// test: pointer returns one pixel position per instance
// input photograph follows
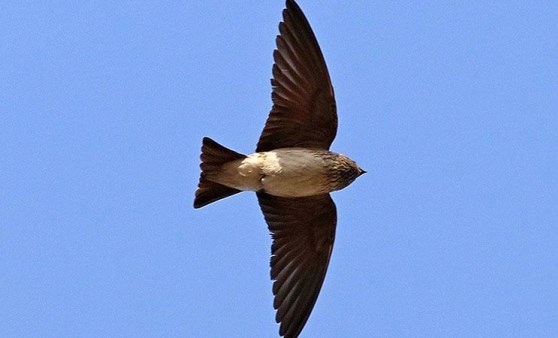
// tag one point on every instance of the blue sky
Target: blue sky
(452, 108)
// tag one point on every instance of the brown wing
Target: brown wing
(304, 112)
(303, 231)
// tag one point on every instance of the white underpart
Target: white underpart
(291, 172)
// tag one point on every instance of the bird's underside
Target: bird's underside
(292, 171)
(285, 172)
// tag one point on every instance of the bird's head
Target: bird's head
(345, 171)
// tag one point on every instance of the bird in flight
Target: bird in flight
(292, 171)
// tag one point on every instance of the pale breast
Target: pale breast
(294, 172)
(287, 172)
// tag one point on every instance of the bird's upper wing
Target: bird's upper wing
(304, 112)
(303, 231)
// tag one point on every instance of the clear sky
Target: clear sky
(452, 108)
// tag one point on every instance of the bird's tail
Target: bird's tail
(213, 156)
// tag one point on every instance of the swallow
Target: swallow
(292, 171)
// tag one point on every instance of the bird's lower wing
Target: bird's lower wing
(303, 232)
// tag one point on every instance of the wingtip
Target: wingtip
(291, 5)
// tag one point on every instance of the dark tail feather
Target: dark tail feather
(213, 157)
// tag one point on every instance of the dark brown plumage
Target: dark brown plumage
(303, 231)
(304, 112)
(292, 171)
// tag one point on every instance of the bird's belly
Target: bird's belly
(294, 173)
(288, 172)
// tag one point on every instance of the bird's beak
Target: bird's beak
(362, 171)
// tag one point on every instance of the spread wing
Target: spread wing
(304, 112)
(303, 231)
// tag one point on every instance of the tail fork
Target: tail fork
(213, 157)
